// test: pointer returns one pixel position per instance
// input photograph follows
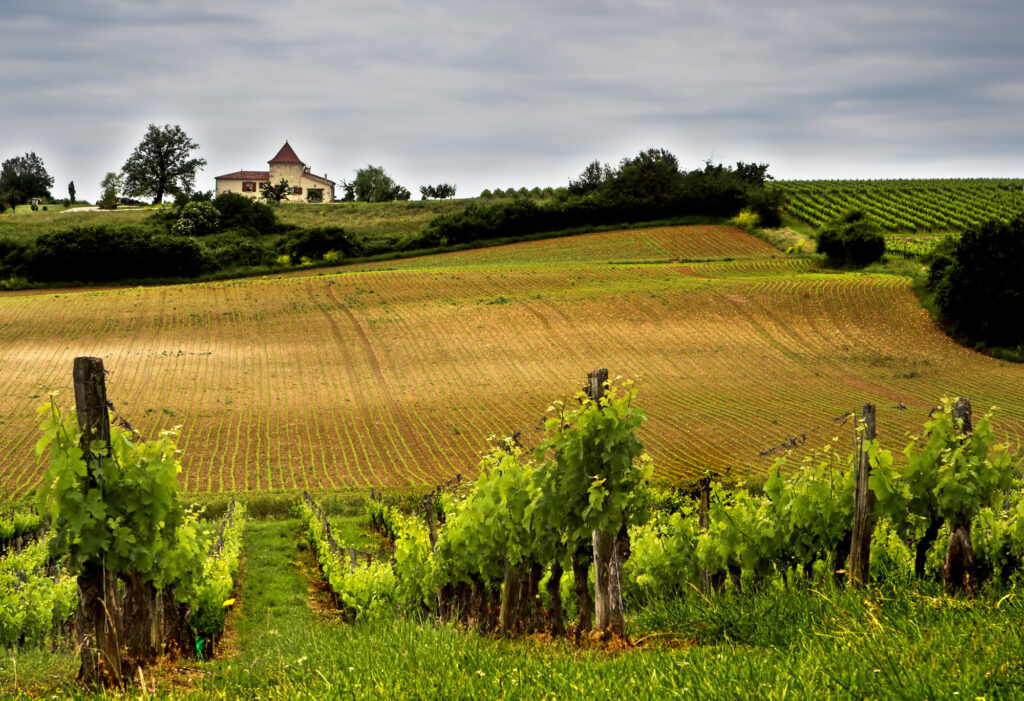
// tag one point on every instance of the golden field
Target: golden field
(397, 373)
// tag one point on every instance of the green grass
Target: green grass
(25, 225)
(352, 532)
(370, 221)
(808, 644)
(381, 221)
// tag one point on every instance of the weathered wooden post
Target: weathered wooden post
(429, 513)
(863, 505)
(704, 522)
(597, 381)
(608, 614)
(98, 614)
(958, 571)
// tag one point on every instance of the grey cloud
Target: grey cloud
(493, 94)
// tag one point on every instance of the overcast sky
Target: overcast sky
(499, 94)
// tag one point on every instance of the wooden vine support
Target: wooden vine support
(609, 617)
(704, 522)
(863, 505)
(958, 568)
(98, 615)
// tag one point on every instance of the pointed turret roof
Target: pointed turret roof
(286, 155)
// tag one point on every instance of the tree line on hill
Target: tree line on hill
(647, 187)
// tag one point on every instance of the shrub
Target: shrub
(852, 239)
(245, 214)
(938, 259)
(767, 202)
(230, 250)
(12, 256)
(516, 217)
(746, 220)
(980, 290)
(101, 254)
(197, 219)
(314, 243)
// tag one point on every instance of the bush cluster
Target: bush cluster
(316, 243)
(197, 219)
(978, 285)
(852, 239)
(101, 254)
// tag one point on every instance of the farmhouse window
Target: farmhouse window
(248, 186)
(296, 190)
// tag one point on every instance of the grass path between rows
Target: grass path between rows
(285, 642)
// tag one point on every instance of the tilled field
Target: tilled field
(397, 377)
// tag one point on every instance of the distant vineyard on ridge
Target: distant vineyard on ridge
(907, 205)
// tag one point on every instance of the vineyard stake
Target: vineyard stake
(597, 381)
(863, 506)
(704, 521)
(608, 614)
(958, 571)
(98, 615)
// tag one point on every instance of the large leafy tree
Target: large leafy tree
(162, 164)
(592, 178)
(111, 184)
(373, 184)
(22, 178)
(653, 174)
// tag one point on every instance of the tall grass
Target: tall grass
(797, 644)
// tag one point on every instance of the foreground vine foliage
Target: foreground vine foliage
(504, 553)
(482, 555)
(799, 528)
(115, 515)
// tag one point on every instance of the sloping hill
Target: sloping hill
(370, 377)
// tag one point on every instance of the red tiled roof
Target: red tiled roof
(286, 155)
(320, 179)
(245, 175)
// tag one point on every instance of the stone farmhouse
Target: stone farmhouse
(306, 187)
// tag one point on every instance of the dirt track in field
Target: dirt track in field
(394, 377)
